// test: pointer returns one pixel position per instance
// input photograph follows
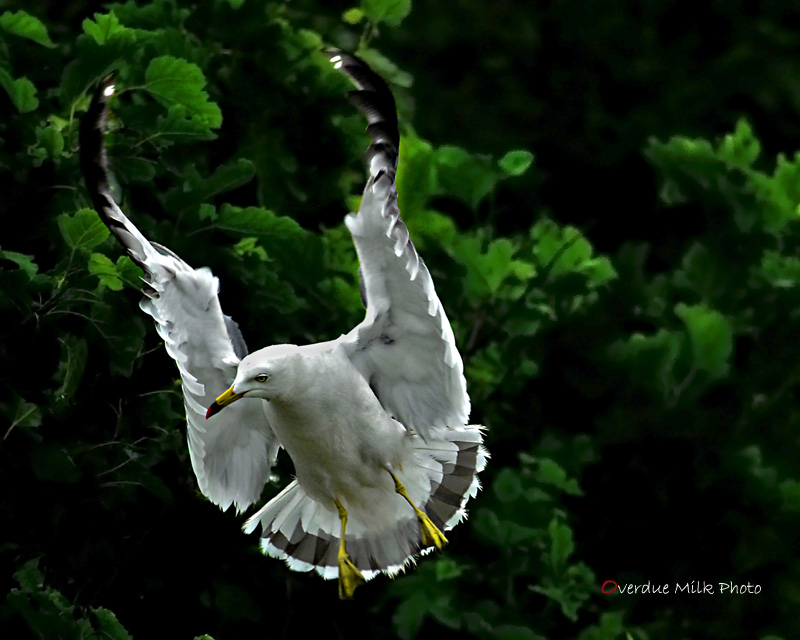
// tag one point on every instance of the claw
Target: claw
(430, 533)
(349, 578)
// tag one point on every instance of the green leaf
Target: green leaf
(513, 632)
(26, 415)
(503, 533)
(610, 628)
(447, 569)
(780, 192)
(515, 163)
(108, 626)
(385, 68)
(129, 272)
(550, 472)
(740, 149)
(416, 176)
(105, 28)
(21, 91)
(468, 177)
(74, 355)
(711, 336)
(353, 16)
(488, 271)
(564, 250)
(780, 271)
(507, 486)
(24, 262)
(29, 577)
(409, 616)
(250, 247)
(25, 25)
(49, 143)
(83, 230)
(790, 494)
(561, 544)
(226, 178)
(106, 270)
(652, 358)
(391, 12)
(52, 463)
(258, 221)
(176, 82)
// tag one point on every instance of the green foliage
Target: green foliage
(391, 12)
(27, 26)
(50, 615)
(639, 385)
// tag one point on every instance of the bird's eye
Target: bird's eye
(262, 377)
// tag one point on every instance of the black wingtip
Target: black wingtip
(374, 99)
(94, 163)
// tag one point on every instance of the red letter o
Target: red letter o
(603, 588)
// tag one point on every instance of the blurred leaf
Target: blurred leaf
(740, 149)
(384, 67)
(780, 271)
(609, 628)
(447, 569)
(258, 221)
(50, 462)
(561, 250)
(549, 472)
(409, 616)
(711, 336)
(109, 626)
(507, 485)
(21, 91)
(511, 632)
(353, 16)
(515, 163)
(25, 25)
(561, 544)
(390, 11)
(105, 27)
(24, 262)
(74, 354)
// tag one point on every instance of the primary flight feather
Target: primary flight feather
(375, 421)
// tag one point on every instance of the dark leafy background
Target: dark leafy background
(626, 304)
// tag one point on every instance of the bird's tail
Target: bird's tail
(383, 534)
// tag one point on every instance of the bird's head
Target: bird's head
(264, 374)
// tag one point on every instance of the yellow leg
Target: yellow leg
(431, 535)
(349, 576)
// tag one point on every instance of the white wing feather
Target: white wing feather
(232, 452)
(405, 346)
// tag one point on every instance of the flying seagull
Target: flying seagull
(374, 421)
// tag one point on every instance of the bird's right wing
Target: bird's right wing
(232, 453)
(404, 347)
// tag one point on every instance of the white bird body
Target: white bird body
(375, 421)
(338, 435)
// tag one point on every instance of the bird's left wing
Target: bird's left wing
(404, 347)
(232, 452)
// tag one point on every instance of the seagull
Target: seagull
(375, 421)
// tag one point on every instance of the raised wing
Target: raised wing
(231, 453)
(405, 346)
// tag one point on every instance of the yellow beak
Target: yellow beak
(223, 401)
